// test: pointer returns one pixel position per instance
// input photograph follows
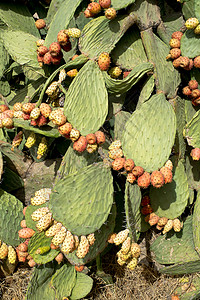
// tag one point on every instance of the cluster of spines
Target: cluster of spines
(162, 223)
(136, 173)
(129, 252)
(175, 54)
(61, 237)
(192, 92)
(94, 8)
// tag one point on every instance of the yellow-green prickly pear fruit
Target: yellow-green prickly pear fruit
(42, 148)
(30, 140)
(12, 256)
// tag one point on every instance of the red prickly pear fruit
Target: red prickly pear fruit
(144, 180)
(118, 163)
(175, 43)
(57, 59)
(65, 129)
(81, 144)
(54, 49)
(100, 137)
(67, 47)
(47, 58)
(79, 268)
(197, 62)
(130, 178)
(104, 61)
(91, 138)
(42, 121)
(137, 171)
(174, 53)
(3, 107)
(88, 14)
(126, 73)
(195, 93)
(34, 122)
(129, 165)
(184, 61)
(193, 84)
(22, 247)
(40, 23)
(110, 13)
(177, 35)
(176, 62)
(94, 8)
(167, 173)
(42, 50)
(62, 38)
(186, 91)
(146, 210)
(195, 153)
(105, 3)
(145, 200)
(23, 223)
(31, 263)
(157, 179)
(24, 210)
(190, 66)
(25, 233)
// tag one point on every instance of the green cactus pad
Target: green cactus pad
(179, 108)
(171, 199)
(4, 59)
(190, 44)
(11, 216)
(190, 111)
(129, 51)
(195, 224)
(117, 86)
(167, 77)
(192, 131)
(193, 173)
(182, 268)
(4, 87)
(30, 209)
(146, 91)
(120, 120)
(63, 281)
(73, 161)
(143, 139)
(82, 201)
(39, 284)
(166, 250)
(101, 35)
(101, 237)
(61, 20)
(82, 286)
(10, 180)
(133, 198)
(118, 4)
(38, 240)
(188, 9)
(87, 99)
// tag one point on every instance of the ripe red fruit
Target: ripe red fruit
(22, 247)
(105, 3)
(167, 173)
(62, 38)
(137, 171)
(47, 58)
(87, 13)
(193, 84)
(41, 121)
(81, 144)
(104, 61)
(174, 53)
(145, 200)
(42, 50)
(184, 61)
(197, 62)
(126, 73)
(40, 23)
(190, 66)
(129, 165)
(67, 47)
(25, 233)
(144, 180)
(91, 138)
(130, 177)
(57, 59)
(195, 153)
(100, 137)
(118, 163)
(157, 179)
(177, 35)
(54, 49)
(146, 210)
(187, 91)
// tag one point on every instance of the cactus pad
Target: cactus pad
(196, 229)
(82, 286)
(143, 138)
(190, 44)
(192, 130)
(83, 200)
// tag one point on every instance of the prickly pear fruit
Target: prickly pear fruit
(45, 110)
(195, 153)
(167, 173)
(44, 222)
(114, 153)
(174, 53)
(23, 223)
(168, 226)
(104, 61)
(59, 236)
(27, 107)
(115, 72)
(120, 261)
(94, 8)
(91, 148)
(121, 237)
(17, 140)
(91, 238)
(8, 123)
(177, 225)
(137, 171)
(146, 210)
(42, 250)
(145, 200)
(105, 3)
(111, 238)
(59, 119)
(54, 49)
(100, 137)
(157, 179)
(79, 268)
(40, 23)
(68, 243)
(195, 93)
(124, 256)
(3, 251)
(17, 106)
(129, 164)
(115, 145)
(52, 89)
(30, 140)
(144, 180)
(153, 219)
(162, 221)
(187, 91)
(62, 38)
(45, 192)
(73, 32)
(3, 107)
(175, 43)
(131, 178)
(197, 29)
(26, 233)
(72, 73)
(91, 138)
(31, 263)
(65, 129)
(191, 23)
(132, 263)
(118, 163)
(81, 144)
(169, 164)
(39, 213)
(126, 245)
(83, 247)
(12, 256)
(177, 35)
(74, 134)
(110, 13)
(193, 84)
(135, 250)
(62, 75)
(22, 247)
(42, 148)
(35, 113)
(197, 62)
(38, 200)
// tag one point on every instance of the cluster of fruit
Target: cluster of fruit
(192, 92)
(175, 54)
(61, 237)
(195, 153)
(53, 54)
(104, 64)
(137, 173)
(193, 23)
(162, 223)
(129, 252)
(95, 8)
(7, 252)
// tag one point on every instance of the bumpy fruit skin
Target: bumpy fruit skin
(131, 178)
(135, 250)
(73, 32)
(162, 221)
(44, 222)
(62, 38)
(59, 258)
(59, 236)
(126, 245)
(94, 8)
(114, 153)
(17, 106)
(111, 238)
(40, 23)
(177, 35)
(30, 140)
(132, 264)
(122, 256)
(121, 237)
(169, 164)
(175, 43)
(42, 50)
(47, 58)
(83, 247)
(87, 13)
(129, 165)
(74, 134)
(91, 148)
(81, 144)
(174, 53)
(59, 119)
(23, 223)
(65, 129)
(153, 219)
(51, 231)
(197, 29)
(91, 138)
(167, 174)
(115, 72)
(191, 23)
(26, 233)
(8, 123)
(22, 247)
(146, 210)
(195, 93)
(187, 91)
(184, 61)
(42, 148)
(157, 179)
(105, 3)
(190, 65)
(193, 84)
(115, 145)
(195, 153)
(27, 107)
(12, 256)
(118, 163)
(68, 243)
(144, 180)
(40, 42)
(54, 49)
(72, 73)
(35, 113)
(57, 59)
(177, 226)
(197, 62)
(168, 226)
(3, 251)
(137, 171)
(39, 213)
(110, 13)
(3, 107)
(176, 62)
(104, 61)
(38, 200)
(91, 238)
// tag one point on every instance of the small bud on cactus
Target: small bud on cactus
(195, 153)
(110, 13)
(81, 144)
(40, 24)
